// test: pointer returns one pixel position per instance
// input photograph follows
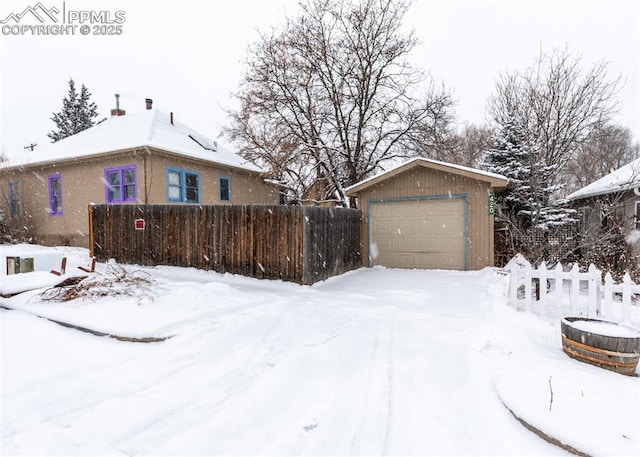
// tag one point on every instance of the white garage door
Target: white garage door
(418, 233)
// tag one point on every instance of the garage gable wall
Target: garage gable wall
(423, 183)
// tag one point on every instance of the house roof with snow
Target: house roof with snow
(494, 179)
(623, 179)
(150, 128)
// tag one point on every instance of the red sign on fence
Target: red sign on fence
(139, 224)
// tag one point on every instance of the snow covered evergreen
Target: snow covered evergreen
(78, 113)
(527, 207)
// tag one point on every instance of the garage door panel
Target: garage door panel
(385, 225)
(440, 261)
(385, 243)
(405, 244)
(419, 233)
(404, 258)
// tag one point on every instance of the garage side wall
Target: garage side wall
(421, 182)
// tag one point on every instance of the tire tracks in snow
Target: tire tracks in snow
(63, 416)
(265, 355)
(377, 419)
(280, 343)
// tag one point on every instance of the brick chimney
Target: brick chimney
(149, 102)
(117, 111)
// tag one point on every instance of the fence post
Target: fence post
(512, 268)
(626, 298)
(595, 279)
(517, 267)
(559, 286)
(528, 292)
(542, 287)
(575, 290)
(513, 288)
(608, 296)
(91, 238)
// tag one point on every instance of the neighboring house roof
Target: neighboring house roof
(149, 128)
(623, 179)
(494, 179)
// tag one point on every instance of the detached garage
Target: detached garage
(428, 214)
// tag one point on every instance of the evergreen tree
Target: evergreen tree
(510, 158)
(87, 112)
(525, 208)
(78, 113)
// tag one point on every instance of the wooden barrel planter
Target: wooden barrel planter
(602, 343)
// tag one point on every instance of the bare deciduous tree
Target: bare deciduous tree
(559, 103)
(557, 107)
(330, 99)
(464, 147)
(607, 149)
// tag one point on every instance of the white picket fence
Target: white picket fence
(557, 292)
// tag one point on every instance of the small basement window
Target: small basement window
(17, 265)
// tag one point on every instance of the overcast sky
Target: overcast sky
(187, 55)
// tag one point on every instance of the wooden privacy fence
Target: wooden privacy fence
(295, 243)
(561, 292)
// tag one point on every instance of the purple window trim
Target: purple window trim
(121, 185)
(14, 198)
(55, 199)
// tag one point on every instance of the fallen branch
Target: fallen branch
(544, 436)
(114, 281)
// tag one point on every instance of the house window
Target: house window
(55, 195)
(14, 198)
(174, 187)
(224, 184)
(120, 184)
(191, 187)
(183, 186)
(637, 218)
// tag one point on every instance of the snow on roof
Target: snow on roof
(624, 178)
(150, 128)
(493, 177)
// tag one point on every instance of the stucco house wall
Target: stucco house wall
(246, 188)
(25, 186)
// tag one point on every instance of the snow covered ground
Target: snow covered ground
(373, 362)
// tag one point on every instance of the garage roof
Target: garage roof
(495, 180)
